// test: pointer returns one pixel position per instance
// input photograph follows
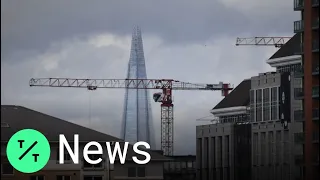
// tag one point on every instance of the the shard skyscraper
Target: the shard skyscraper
(137, 122)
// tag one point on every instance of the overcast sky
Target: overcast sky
(186, 40)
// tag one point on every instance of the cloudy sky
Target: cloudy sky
(186, 40)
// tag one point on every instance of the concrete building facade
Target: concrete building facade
(219, 149)
(273, 148)
(261, 121)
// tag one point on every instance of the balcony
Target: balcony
(298, 5)
(315, 69)
(298, 116)
(298, 93)
(299, 73)
(315, 114)
(299, 138)
(315, 3)
(298, 26)
(315, 24)
(315, 46)
(315, 91)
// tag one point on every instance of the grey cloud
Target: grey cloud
(34, 24)
(76, 58)
(49, 39)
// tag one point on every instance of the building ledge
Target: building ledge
(283, 61)
(229, 111)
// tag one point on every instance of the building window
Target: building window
(92, 178)
(136, 172)
(259, 114)
(271, 147)
(6, 169)
(263, 148)
(252, 105)
(36, 177)
(66, 156)
(226, 150)
(286, 149)
(219, 151)
(251, 96)
(278, 146)
(259, 105)
(132, 172)
(62, 177)
(93, 157)
(141, 171)
(266, 104)
(255, 149)
(289, 68)
(212, 152)
(259, 96)
(274, 103)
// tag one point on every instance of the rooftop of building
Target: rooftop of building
(183, 157)
(15, 118)
(239, 96)
(289, 48)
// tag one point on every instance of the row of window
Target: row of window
(58, 177)
(7, 169)
(263, 95)
(66, 177)
(271, 172)
(264, 104)
(290, 68)
(136, 172)
(179, 165)
(67, 158)
(218, 152)
(275, 149)
(234, 118)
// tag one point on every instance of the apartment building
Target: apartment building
(273, 127)
(15, 118)
(308, 28)
(222, 145)
(262, 119)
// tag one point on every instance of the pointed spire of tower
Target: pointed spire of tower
(137, 116)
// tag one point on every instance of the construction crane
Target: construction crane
(278, 42)
(165, 97)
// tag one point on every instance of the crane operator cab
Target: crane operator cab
(157, 97)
